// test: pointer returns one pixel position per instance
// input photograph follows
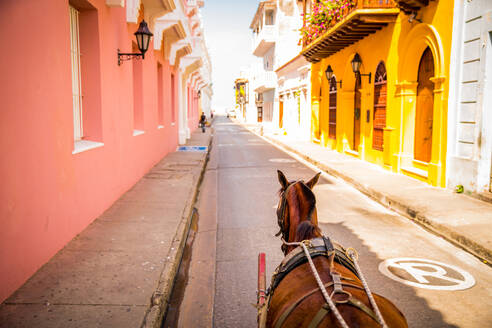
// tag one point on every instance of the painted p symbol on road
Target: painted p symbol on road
(426, 274)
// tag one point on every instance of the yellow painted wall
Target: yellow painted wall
(400, 45)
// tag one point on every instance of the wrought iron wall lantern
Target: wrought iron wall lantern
(143, 39)
(356, 62)
(329, 75)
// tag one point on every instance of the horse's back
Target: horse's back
(297, 301)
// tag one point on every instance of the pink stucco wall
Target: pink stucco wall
(47, 194)
(193, 115)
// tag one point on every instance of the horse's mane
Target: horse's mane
(306, 230)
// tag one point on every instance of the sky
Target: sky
(228, 37)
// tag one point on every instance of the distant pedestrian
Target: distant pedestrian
(203, 120)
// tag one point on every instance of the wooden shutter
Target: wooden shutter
(379, 119)
(332, 120)
(357, 111)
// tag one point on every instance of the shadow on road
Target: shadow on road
(416, 309)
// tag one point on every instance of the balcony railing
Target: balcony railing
(352, 20)
(263, 40)
(265, 81)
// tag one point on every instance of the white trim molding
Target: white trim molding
(115, 3)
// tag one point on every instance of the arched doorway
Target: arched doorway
(332, 119)
(357, 105)
(379, 119)
(424, 108)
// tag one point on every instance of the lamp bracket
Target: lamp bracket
(127, 56)
(369, 75)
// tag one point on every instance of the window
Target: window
(173, 99)
(269, 18)
(76, 85)
(332, 115)
(379, 120)
(138, 119)
(160, 98)
(85, 75)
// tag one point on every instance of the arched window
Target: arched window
(379, 119)
(332, 119)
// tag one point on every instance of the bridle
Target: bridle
(282, 211)
(281, 215)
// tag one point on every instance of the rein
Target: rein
(352, 254)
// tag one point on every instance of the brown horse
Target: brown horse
(295, 298)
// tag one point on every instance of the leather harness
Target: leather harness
(321, 246)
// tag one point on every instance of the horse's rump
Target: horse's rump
(297, 300)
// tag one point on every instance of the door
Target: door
(357, 102)
(260, 114)
(281, 115)
(425, 108)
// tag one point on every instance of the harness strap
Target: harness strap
(325, 309)
(337, 288)
(286, 313)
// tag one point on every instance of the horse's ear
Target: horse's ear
(282, 179)
(313, 181)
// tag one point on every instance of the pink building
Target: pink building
(77, 130)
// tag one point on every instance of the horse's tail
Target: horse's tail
(307, 230)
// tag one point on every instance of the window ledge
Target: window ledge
(416, 171)
(160, 127)
(417, 162)
(352, 152)
(138, 132)
(84, 145)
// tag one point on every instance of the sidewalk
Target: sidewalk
(119, 271)
(460, 219)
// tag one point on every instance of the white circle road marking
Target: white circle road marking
(282, 160)
(439, 272)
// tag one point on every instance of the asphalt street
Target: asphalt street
(434, 283)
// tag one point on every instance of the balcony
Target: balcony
(265, 81)
(354, 23)
(264, 40)
(409, 6)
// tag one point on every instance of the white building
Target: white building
(265, 35)
(282, 84)
(469, 159)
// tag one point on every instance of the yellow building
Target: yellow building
(393, 111)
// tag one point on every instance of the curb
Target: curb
(455, 238)
(159, 301)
